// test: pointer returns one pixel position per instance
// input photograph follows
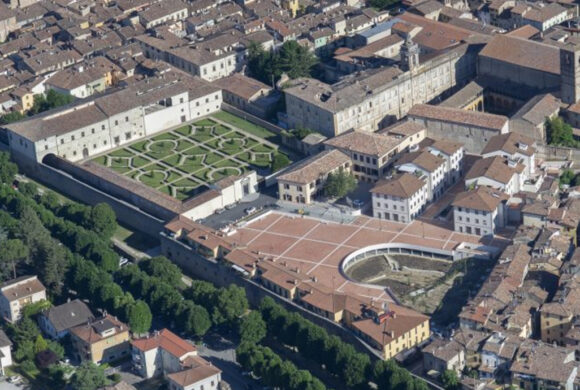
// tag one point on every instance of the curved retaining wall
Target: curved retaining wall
(392, 248)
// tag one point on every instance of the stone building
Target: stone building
(377, 97)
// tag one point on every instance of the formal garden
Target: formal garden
(182, 161)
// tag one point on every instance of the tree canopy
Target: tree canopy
(559, 133)
(339, 184)
(267, 66)
(88, 376)
(252, 328)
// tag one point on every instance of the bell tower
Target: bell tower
(570, 73)
(409, 54)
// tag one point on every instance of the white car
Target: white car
(250, 210)
(358, 203)
(123, 261)
(15, 379)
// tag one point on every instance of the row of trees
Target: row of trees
(194, 311)
(292, 59)
(337, 357)
(314, 343)
(42, 103)
(274, 371)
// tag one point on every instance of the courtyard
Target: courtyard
(184, 161)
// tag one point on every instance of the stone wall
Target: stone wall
(221, 275)
(128, 214)
(557, 153)
(251, 118)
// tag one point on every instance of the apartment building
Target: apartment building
(163, 12)
(103, 340)
(214, 58)
(497, 172)
(428, 165)
(304, 182)
(58, 320)
(515, 147)
(544, 366)
(480, 211)
(400, 198)
(15, 294)
(452, 152)
(86, 128)
(371, 153)
(84, 79)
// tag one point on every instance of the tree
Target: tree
(560, 133)
(252, 328)
(339, 184)
(11, 117)
(279, 161)
(568, 177)
(201, 292)
(102, 220)
(292, 58)
(8, 169)
(194, 319)
(51, 100)
(40, 344)
(449, 379)
(88, 376)
(230, 303)
(161, 267)
(139, 317)
(296, 60)
(12, 252)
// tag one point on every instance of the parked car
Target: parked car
(231, 206)
(123, 261)
(15, 379)
(250, 210)
(358, 203)
(220, 211)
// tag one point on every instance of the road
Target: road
(258, 200)
(221, 353)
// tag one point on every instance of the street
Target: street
(221, 353)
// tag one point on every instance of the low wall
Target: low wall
(252, 118)
(558, 153)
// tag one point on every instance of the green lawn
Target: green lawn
(164, 136)
(212, 158)
(101, 160)
(185, 130)
(244, 125)
(186, 183)
(153, 178)
(205, 122)
(173, 160)
(139, 161)
(139, 146)
(121, 153)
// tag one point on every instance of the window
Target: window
(92, 131)
(62, 141)
(72, 137)
(82, 134)
(126, 119)
(116, 123)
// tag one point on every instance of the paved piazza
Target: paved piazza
(316, 247)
